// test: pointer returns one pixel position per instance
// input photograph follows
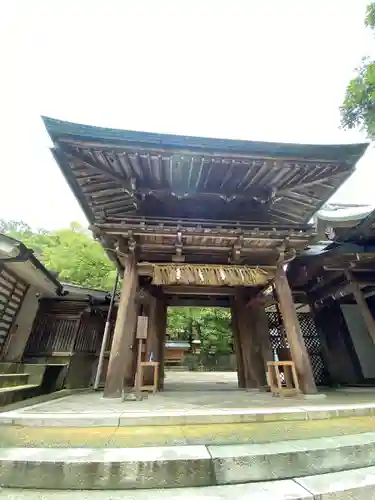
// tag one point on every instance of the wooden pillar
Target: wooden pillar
(161, 330)
(253, 363)
(121, 361)
(362, 304)
(263, 333)
(296, 342)
(237, 348)
(257, 352)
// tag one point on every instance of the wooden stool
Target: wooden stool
(139, 376)
(291, 387)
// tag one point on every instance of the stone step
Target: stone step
(13, 379)
(13, 394)
(11, 367)
(184, 466)
(203, 416)
(357, 484)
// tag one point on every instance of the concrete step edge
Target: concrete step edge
(189, 417)
(17, 388)
(346, 485)
(182, 466)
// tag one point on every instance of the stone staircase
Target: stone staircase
(93, 459)
(19, 381)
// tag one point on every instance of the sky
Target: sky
(263, 70)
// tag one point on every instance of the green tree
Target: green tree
(358, 109)
(210, 325)
(72, 253)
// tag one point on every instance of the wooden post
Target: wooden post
(253, 364)
(362, 304)
(297, 346)
(263, 334)
(120, 365)
(256, 338)
(238, 349)
(161, 329)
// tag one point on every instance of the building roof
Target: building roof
(116, 173)
(178, 344)
(22, 261)
(344, 213)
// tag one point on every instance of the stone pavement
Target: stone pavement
(175, 435)
(186, 391)
(191, 398)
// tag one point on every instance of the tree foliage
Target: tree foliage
(210, 325)
(358, 109)
(77, 258)
(72, 253)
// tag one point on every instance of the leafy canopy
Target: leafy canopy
(358, 109)
(210, 325)
(72, 253)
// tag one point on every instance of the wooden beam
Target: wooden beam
(199, 290)
(255, 192)
(120, 365)
(87, 162)
(175, 301)
(314, 182)
(362, 304)
(192, 232)
(197, 223)
(296, 342)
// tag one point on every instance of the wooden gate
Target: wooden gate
(12, 292)
(310, 335)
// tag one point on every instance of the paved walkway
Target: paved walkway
(198, 391)
(177, 435)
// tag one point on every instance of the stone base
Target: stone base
(134, 396)
(312, 397)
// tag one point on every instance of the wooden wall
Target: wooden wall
(67, 332)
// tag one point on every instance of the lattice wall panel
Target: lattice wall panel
(276, 329)
(310, 335)
(12, 292)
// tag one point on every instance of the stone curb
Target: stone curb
(185, 466)
(289, 459)
(189, 417)
(358, 484)
(43, 398)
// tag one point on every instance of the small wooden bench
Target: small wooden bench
(139, 376)
(290, 387)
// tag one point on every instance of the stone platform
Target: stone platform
(191, 407)
(225, 442)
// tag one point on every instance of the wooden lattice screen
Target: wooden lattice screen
(311, 337)
(90, 333)
(66, 327)
(52, 333)
(12, 292)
